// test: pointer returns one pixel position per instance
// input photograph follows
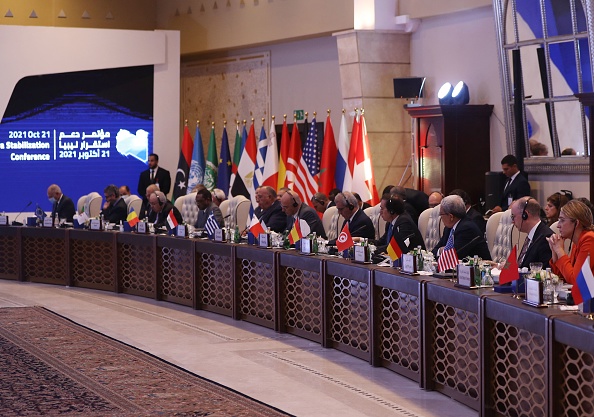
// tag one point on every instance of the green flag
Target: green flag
(212, 162)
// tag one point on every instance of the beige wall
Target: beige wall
(419, 9)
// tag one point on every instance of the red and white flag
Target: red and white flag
(171, 220)
(363, 179)
(344, 239)
(256, 227)
(298, 175)
(447, 260)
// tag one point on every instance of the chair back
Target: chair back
(239, 209)
(93, 204)
(506, 236)
(80, 204)
(224, 207)
(332, 222)
(134, 203)
(434, 228)
(186, 204)
(379, 224)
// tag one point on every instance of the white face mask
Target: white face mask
(52, 200)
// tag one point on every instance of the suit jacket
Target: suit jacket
(360, 226)
(539, 250)
(162, 177)
(465, 232)
(311, 217)
(520, 187)
(474, 215)
(116, 212)
(406, 229)
(146, 212)
(204, 214)
(161, 219)
(273, 217)
(64, 209)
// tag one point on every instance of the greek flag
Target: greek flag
(211, 225)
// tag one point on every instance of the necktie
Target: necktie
(450, 243)
(507, 184)
(389, 234)
(152, 174)
(524, 250)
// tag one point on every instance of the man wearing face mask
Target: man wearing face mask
(62, 206)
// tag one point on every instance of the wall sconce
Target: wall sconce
(457, 95)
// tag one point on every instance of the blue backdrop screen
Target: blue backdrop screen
(80, 130)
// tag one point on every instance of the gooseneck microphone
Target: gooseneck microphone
(14, 222)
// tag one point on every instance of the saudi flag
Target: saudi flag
(210, 174)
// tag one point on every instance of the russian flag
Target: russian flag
(585, 284)
(342, 175)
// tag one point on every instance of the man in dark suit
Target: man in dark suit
(516, 185)
(526, 218)
(295, 210)
(472, 213)
(154, 175)
(398, 222)
(146, 212)
(115, 209)
(206, 207)
(269, 209)
(62, 206)
(360, 225)
(465, 234)
(162, 207)
(408, 207)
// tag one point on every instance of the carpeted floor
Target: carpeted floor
(52, 366)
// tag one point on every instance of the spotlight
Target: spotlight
(445, 94)
(460, 93)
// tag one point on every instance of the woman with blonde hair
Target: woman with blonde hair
(575, 223)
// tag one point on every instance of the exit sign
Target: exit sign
(300, 114)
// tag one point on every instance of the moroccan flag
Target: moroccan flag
(183, 166)
(447, 260)
(244, 180)
(363, 179)
(394, 251)
(584, 288)
(171, 220)
(295, 233)
(197, 165)
(283, 157)
(224, 172)
(510, 272)
(342, 175)
(132, 218)
(210, 174)
(328, 163)
(344, 239)
(270, 175)
(256, 227)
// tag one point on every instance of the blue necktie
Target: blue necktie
(389, 234)
(450, 243)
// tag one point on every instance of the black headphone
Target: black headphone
(294, 201)
(160, 198)
(391, 206)
(524, 212)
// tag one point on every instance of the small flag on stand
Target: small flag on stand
(211, 225)
(510, 272)
(171, 221)
(394, 251)
(344, 240)
(583, 291)
(447, 260)
(132, 218)
(39, 213)
(256, 227)
(295, 234)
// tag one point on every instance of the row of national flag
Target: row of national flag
(306, 167)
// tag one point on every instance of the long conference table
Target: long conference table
(484, 349)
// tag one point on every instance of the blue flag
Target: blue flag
(211, 225)
(39, 213)
(224, 177)
(260, 158)
(198, 164)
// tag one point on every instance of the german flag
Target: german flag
(394, 251)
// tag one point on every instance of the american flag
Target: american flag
(305, 184)
(447, 260)
(211, 225)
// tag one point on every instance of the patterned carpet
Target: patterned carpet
(52, 366)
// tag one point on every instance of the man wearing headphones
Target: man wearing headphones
(360, 225)
(160, 205)
(525, 214)
(146, 212)
(400, 223)
(294, 209)
(115, 209)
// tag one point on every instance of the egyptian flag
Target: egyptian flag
(183, 166)
(244, 180)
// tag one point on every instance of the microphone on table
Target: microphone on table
(15, 223)
(471, 243)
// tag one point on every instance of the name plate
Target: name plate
(534, 293)
(47, 222)
(408, 264)
(361, 254)
(465, 276)
(181, 231)
(264, 240)
(306, 246)
(141, 227)
(95, 224)
(219, 235)
(3, 220)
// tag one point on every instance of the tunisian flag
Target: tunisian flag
(183, 166)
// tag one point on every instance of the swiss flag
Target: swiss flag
(344, 240)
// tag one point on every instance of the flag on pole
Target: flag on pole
(394, 250)
(244, 180)
(344, 239)
(224, 171)
(295, 233)
(211, 225)
(352, 155)
(293, 157)
(583, 291)
(197, 165)
(256, 227)
(183, 166)
(270, 174)
(363, 181)
(510, 272)
(210, 174)
(132, 218)
(310, 153)
(283, 157)
(447, 260)
(237, 151)
(342, 174)
(301, 180)
(328, 163)
(260, 158)
(171, 220)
